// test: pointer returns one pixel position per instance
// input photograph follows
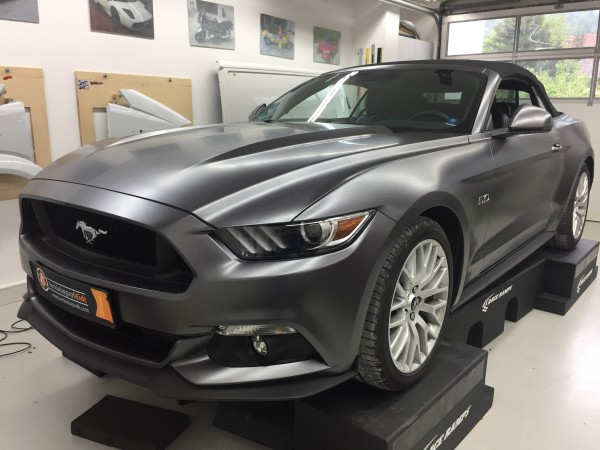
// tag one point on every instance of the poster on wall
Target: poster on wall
(276, 36)
(211, 25)
(125, 17)
(20, 10)
(326, 45)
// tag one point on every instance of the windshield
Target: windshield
(429, 99)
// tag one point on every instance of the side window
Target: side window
(510, 95)
(525, 98)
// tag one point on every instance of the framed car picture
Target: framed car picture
(211, 25)
(125, 17)
(20, 10)
(277, 36)
(326, 45)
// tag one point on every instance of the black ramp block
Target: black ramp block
(481, 320)
(568, 274)
(354, 416)
(126, 424)
(460, 421)
(268, 423)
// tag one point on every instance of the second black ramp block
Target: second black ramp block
(442, 407)
(130, 425)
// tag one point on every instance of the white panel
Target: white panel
(17, 165)
(15, 130)
(591, 116)
(243, 87)
(143, 103)
(123, 121)
(411, 49)
(100, 124)
(10, 269)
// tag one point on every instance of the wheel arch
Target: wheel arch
(450, 223)
(589, 162)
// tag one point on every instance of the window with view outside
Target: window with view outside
(563, 78)
(482, 36)
(598, 82)
(577, 29)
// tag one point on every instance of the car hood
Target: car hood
(236, 174)
(136, 7)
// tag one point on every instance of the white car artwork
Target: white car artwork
(129, 13)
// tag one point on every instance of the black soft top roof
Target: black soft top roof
(506, 70)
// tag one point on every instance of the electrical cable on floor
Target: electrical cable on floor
(14, 329)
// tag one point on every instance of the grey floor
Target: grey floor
(545, 370)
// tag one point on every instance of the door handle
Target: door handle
(556, 148)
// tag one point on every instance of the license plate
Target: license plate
(80, 299)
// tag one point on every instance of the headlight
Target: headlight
(293, 240)
(129, 13)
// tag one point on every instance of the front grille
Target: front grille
(129, 253)
(123, 240)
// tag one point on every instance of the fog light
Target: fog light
(260, 346)
(254, 330)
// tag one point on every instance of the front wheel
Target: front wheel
(115, 16)
(408, 308)
(572, 223)
(201, 35)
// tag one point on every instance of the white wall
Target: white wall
(377, 24)
(591, 116)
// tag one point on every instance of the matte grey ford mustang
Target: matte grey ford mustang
(328, 238)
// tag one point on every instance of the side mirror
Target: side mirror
(527, 119)
(256, 111)
(530, 119)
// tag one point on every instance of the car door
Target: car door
(526, 176)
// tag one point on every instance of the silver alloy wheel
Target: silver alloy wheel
(419, 306)
(580, 205)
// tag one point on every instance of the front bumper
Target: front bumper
(165, 381)
(323, 297)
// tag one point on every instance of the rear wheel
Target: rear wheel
(572, 223)
(408, 308)
(201, 35)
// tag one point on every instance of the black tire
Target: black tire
(289, 45)
(115, 16)
(201, 36)
(376, 365)
(565, 238)
(268, 40)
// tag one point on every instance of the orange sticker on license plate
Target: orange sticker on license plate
(76, 297)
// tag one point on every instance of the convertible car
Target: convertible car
(328, 238)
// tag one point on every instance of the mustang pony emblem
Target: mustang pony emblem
(89, 234)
